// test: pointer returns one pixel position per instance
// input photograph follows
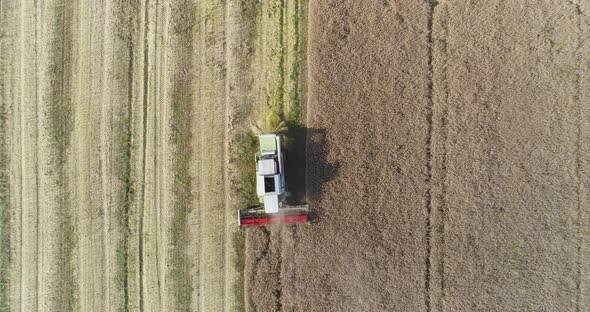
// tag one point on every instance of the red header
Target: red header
(277, 219)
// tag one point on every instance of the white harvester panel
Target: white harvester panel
(267, 167)
(271, 203)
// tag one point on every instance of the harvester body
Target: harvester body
(270, 172)
(270, 187)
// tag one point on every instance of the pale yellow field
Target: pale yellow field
(119, 122)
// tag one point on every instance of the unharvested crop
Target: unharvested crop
(446, 154)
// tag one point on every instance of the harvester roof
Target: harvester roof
(268, 143)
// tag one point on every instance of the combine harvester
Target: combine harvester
(271, 188)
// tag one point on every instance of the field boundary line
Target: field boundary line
(225, 149)
(128, 197)
(6, 79)
(22, 148)
(106, 157)
(226, 186)
(439, 155)
(145, 74)
(158, 169)
(579, 166)
(201, 65)
(22, 136)
(429, 157)
(37, 26)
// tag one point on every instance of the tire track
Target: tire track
(584, 150)
(144, 109)
(211, 157)
(583, 10)
(228, 303)
(429, 158)
(105, 176)
(16, 161)
(161, 148)
(150, 274)
(577, 97)
(130, 251)
(126, 250)
(7, 106)
(27, 128)
(9, 35)
(198, 298)
(56, 232)
(113, 153)
(36, 164)
(138, 119)
(582, 82)
(196, 220)
(439, 34)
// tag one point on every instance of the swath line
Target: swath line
(427, 279)
(144, 141)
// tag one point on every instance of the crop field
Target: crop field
(443, 148)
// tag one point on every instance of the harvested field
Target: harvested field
(447, 162)
(63, 123)
(118, 122)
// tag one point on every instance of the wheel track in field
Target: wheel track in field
(583, 138)
(144, 109)
(439, 156)
(429, 163)
(27, 285)
(57, 281)
(212, 103)
(6, 89)
(19, 299)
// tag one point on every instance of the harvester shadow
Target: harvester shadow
(307, 168)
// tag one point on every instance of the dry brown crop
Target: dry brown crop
(447, 162)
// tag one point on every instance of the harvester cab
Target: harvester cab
(271, 187)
